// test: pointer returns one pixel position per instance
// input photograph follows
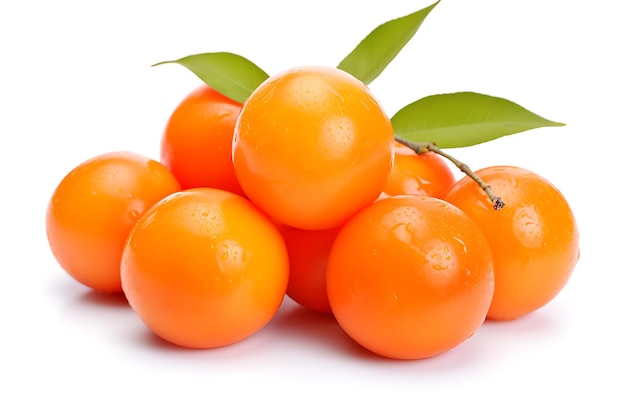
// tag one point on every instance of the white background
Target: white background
(76, 80)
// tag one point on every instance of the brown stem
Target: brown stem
(423, 147)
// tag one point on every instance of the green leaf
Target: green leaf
(372, 55)
(463, 119)
(232, 75)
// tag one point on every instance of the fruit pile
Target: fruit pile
(300, 185)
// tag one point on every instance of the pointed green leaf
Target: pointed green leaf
(232, 75)
(463, 119)
(372, 55)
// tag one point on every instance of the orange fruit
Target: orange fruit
(418, 174)
(312, 146)
(93, 209)
(197, 142)
(534, 238)
(205, 268)
(410, 277)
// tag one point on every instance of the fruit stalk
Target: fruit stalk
(423, 147)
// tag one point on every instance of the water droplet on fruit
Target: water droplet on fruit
(134, 215)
